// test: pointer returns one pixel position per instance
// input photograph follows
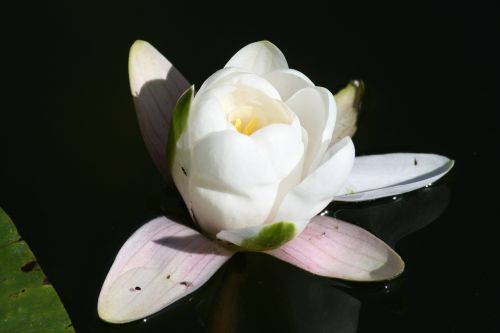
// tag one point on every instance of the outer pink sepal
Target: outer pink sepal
(162, 262)
(337, 249)
(156, 86)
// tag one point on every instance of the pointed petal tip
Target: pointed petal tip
(258, 57)
(139, 48)
(349, 98)
(146, 63)
(139, 43)
(393, 268)
(359, 86)
(106, 315)
(451, 164)
(358, 83)
(266, 43)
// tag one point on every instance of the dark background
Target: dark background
(76, 178)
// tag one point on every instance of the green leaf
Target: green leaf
(179, 123)
(270, 237)
(28, 302)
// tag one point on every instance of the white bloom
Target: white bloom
(255, 155)
(253, 148)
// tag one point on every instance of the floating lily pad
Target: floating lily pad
(28, 302)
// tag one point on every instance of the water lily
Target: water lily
(256, 154)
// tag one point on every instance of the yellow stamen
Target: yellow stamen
(251, 126)
(247, 129)
(237, 124)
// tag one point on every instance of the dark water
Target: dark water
(77, 180)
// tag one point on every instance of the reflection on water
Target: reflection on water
(258, 293)
(394, 218)
(261, 294)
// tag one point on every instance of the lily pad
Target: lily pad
(28, 302)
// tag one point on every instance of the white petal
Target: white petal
(217, 77)
(233, 184)
(288, 81)
(316, 110)
(283, 145)
(308, 198)
(205, 117)
(259, 58)
(160, 263)
(234, 76)
(348, 101)
(156, 85)
(377, 176)
(333, 248)
(233, 160)
(250, 80)
(300, 204)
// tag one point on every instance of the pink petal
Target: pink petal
(162, 262)
(156, 85)
(337, 249)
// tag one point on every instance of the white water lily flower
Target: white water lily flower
(256, 154)
(251, 153)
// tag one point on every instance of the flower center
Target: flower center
(249, 110)
(247, 127)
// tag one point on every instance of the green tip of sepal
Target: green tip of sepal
(179, 122)
(270, 237)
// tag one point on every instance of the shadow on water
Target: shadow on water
(393, 218)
